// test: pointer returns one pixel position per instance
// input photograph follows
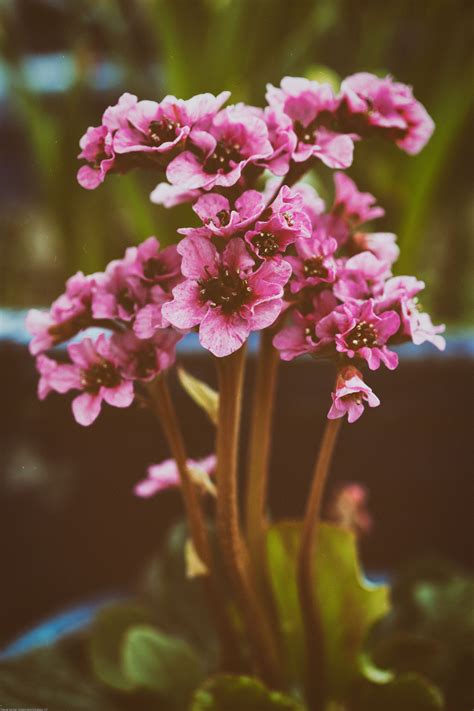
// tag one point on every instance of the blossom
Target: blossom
(154, 265)
(97, 144)
(120, 293)
(359, 332)
(298, 335)
(388, 107)
(314, 263)
(140, 359)
(236, 137)
(351, 208)
(224, 294)
(69, 314)
(282, 138)
(220, 218)
(166, 476)
(350, 394)
(171, 195)
(360, 276)
(154, 127)
(399, 294)
(94, 371)
(381, 244)
(309, 104)
(312, 204)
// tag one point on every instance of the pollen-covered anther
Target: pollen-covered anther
(363, 335)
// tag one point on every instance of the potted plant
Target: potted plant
(239, 612)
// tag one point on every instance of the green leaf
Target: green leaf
(157, 662)
(236, 693)
(349, 604)
(201, 393)
(105, 644)
(47, 678)
(409, 691)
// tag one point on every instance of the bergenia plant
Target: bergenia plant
(265, 254)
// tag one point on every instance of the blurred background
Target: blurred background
(63, 62)
(63, 535)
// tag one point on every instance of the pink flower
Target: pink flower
(381, 244)
(360, 333)
(154, 265)
(310, 106)
(282, 138)
(224, 294)
(94, 371)
(140, 359)
(388, 107)
(97, 144)
(150, 319)
(166, 476)
(120, 294)
(314, 263)
(236, 137)
(222, 219)
(360, 276)
(299, 335)
(350, 394)
(351, 208)
(400, 295)
(160, 127)
(69, 314)
(312, 204)
(171, 195)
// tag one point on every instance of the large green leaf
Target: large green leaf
(160, 663)
(408, 691)
(48, 679)
(105, 644)
(236, 693)
(349, 604)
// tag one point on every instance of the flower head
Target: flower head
(389, 108)
(350, 395)
(236, 137)
(310, 107)
(359, 332)
(221, 218)
(158, 128)
(351, 208)
(314, 261)
(94, 370)
(225, 294)
(69, 314)
(166, 476)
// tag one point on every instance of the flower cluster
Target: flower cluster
(265, 252)
(126, 300)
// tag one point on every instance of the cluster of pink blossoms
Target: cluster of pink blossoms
(266, 252)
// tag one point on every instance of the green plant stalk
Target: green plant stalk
(259, 451)
(166, 413)
(260, 634)
(315, 684)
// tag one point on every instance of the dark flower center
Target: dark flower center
(227, 290)
(102, 374)
(314, 267)
(162, 131)
(153, 268)
(221, 160)
(362, 335)
(126, 300)
(223, 217)
(266, 244)
(305, 134)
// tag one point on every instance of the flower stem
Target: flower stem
(235, 554)
(306, 570)
(259, 451)
(166, 413)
